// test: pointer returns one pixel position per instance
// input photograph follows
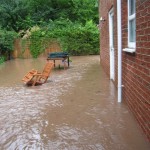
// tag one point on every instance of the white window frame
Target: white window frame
(131, 17)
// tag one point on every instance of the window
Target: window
(131, 24)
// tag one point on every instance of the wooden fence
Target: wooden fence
(20, 53)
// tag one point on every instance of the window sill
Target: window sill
(129, 50)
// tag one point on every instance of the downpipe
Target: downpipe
(119, 51)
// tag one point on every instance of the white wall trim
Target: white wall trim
(130, 50)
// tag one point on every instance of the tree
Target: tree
(12, 12)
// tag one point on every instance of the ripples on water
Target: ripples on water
(68, 112)
(23, 109)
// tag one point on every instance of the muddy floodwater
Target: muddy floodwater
(76, 109)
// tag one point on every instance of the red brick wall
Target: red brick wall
(135, 67)
(104, 35)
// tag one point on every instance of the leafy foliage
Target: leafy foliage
(7, 40)
(12, 13)
(74, 38)
(85, 10)
(36, 46)
(2, 59)
(23, 14)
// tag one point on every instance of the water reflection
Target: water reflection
(75, 109)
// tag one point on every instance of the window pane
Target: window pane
(132, 30)
(132, 7)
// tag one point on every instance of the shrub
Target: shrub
(74, 38)
(2, 59)
(7, 41)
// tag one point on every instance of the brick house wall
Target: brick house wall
(135, 66)
(104, 36)
(104, 41)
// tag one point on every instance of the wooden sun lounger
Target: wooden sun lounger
(34, 77)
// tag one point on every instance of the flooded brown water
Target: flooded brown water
(76, 109)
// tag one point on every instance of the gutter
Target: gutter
(119, 28)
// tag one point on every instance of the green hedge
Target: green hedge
(7, 41)
(74, 38)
